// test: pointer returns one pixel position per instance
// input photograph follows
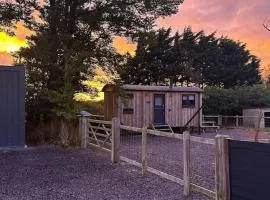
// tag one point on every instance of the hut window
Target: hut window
(188, 100)
(128, 104)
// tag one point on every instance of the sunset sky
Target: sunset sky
(239, 19)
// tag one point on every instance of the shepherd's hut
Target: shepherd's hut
(153, 106)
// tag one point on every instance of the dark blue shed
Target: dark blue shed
(12, 106)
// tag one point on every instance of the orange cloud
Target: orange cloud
(5, 59)
(123, 45)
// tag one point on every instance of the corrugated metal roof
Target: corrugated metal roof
(154, 88)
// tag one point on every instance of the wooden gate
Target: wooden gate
(101, 134)
(249, 170)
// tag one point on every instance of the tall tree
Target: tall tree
(72, 36)
(236, 65)
(163, 58)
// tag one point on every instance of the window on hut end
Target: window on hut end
(128, 104)
(188, 100)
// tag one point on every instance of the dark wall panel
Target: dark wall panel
(12, 106)
(249, 170)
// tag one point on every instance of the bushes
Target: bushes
(44, 129)
(233, 101)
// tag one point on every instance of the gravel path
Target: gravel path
(54, 173)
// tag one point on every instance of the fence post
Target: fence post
(144, 150)
(237, 121)
(115, 155)
(222, 168)
(220, 120)
(187, 163)
(83, 129)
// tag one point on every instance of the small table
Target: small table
(209, 124)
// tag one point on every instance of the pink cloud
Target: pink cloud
(239, 19)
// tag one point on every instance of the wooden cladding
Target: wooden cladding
(139, 111)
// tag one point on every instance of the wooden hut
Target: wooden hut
(251, 117)
(153, 105)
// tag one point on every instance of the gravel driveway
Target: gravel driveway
(55, 173)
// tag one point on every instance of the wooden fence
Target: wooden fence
(235, 121)
(91, 135)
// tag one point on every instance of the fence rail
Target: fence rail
(186, 139)
(229, 121)
(99, 133)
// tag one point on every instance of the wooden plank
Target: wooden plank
(154, 171)
(208, 122)
(166, 176)
(222, 168)
(100, 121)
(204, 126)
(211, 116)
(203, 190)
(129, 128)
(165, 134)
(144, 151)
(201, 112)
(237, 121)
(170, 135)
(131, 162)
(187, 163)
(100, 148)
(220, 120)
(100, 134)
(180, 111)
(98, 116)
(202, 140)
(163, 125)
(100, 128)
(142, 110)
(218, 166)
(115, 156)
(165, 129)
(174, 111)
(84, 132)
(151, 113)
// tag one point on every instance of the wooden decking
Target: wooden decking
(162, 127)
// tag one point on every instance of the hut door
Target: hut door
(267, 119)
(159, 109)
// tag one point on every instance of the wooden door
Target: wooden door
(159, 109)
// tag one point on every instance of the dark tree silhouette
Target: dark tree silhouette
(190, 58)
